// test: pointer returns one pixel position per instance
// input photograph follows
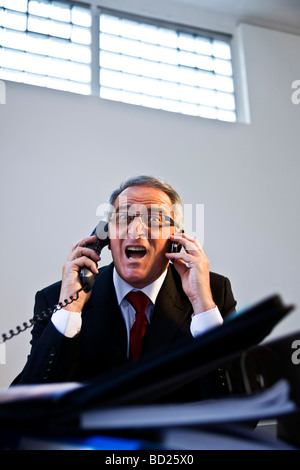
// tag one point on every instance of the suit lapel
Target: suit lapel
(103, 324)
(171, 316)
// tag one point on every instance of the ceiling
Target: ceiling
(283, 15)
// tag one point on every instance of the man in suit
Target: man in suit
(92, 335)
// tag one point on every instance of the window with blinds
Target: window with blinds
(165, 68)
(46, 43)
(137, 60)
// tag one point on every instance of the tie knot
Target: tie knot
(138, 300)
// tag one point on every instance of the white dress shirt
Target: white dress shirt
(69, 323)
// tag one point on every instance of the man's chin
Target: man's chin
(135, 276)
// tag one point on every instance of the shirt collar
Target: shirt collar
(122, 287)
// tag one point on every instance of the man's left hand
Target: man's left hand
(193, 268)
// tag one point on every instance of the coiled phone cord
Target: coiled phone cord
(41, 316)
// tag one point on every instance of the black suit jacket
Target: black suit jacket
(102, 343)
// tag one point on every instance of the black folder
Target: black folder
(158, 375)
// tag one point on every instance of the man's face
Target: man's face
(138, 251)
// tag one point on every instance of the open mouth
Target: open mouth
(135, 252)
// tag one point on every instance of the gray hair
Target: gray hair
(153, 182)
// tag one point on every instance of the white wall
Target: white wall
(62, 154)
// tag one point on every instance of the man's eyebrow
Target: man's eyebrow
(158, 210)
(122, 208)
(153, 209)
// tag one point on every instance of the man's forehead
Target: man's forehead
(142, 196)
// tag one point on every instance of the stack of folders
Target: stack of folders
(261, 383)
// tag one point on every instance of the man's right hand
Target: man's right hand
(78, 257)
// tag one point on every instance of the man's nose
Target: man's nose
(137, 227)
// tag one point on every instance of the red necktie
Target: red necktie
(140, 302)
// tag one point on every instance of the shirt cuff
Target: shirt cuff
(67, 323)
(205, 321)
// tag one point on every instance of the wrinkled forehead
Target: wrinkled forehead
(140, 199)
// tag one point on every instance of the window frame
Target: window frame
(178, 28)
(44, 79)
(95, 48)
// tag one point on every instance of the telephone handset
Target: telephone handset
(87, 278)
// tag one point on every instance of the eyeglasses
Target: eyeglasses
(152, 220)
